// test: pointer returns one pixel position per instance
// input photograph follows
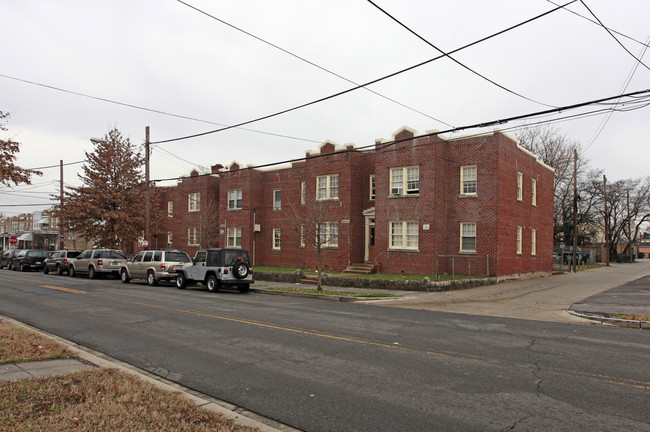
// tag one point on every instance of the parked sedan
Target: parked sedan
(59, 261)
(29, 259)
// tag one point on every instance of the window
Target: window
(302, 236)
(234, 199)
(147, 257)
(405, 181)
(193, 236)
(520, 183)
(533, 197)
(169, 239)
(276, 238)
(329, 234)
(468, 180)
(277, 199)
(519, 248)
(468, 236)
(234, 237)
(303, 193)
(327, 187)
(194, 202)
(404, 235)
(533, 241)
(372, 187)
(170, 208)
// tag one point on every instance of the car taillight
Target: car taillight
(225, 271)
(163, 266)
(65, 261)
(100, 262)
(250, 271)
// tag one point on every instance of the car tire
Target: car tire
(181, 281)
(212, 283)
(59, 270)
(46, 270)
(72, 272)
(151, 278)
(240, 270)
(124, 276)
(244, 288)
(92, 274)
(22, 268)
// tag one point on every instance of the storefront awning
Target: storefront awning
(25, 237)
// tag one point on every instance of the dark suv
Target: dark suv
(58, 262)
(8, 257)
(217, 268)
(97, 261)
(29, 259)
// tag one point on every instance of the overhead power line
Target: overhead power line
(458, 129)
(308, 61)
(453, 59)
(369, 82)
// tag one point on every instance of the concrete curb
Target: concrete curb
(645, 325)
(317, 296)
(238, 415)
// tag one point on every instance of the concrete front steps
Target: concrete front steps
(361, 268)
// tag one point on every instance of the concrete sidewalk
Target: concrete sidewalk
(544, 299)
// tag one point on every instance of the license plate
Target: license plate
(38, 263)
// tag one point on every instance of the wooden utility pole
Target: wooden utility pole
(575, 208)
(61, 221)
(146, 170)
(606, 222)
(629, 230)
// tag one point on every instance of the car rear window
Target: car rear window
(177, 257)
(115, 255)
(73, 254)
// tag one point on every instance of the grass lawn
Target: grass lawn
(326, 292)
(380, 276)
(98, 400)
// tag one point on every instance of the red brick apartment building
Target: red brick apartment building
(427, 205)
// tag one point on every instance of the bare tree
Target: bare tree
(207, 221)
(317, 231)
(10, 172)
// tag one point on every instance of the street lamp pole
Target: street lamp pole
(146, 170)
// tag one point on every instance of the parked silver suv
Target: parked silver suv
(153, 265)
(217, 268)
(97, 261)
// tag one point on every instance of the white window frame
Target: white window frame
(533, 242)
(533, 198)
(372, 187)
(466, 229)
(277, 199)
(303, 193)
(520, 186)
(194, 202)
(404, 231)
(327, 187)
(467, 180)
(170, 239)
(277, 239)
(520, 247)
(233, 237)
(235, 199)
(329, 234)
(170, 208)
(401, 184)
(193, 236)
(302, 236)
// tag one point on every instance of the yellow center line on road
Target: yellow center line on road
(643, 385)
(70, 290)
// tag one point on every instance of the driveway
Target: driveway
(541, 299)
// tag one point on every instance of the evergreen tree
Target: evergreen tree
(109, 206)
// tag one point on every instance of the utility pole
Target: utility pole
(146, 170)
(606, 222)
(575, 207)
(61, 222)
(629, 230)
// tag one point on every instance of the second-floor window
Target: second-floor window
(405, 181)
(372, 187)
(468, 180)
(277, 199)
(520, 186)
(194, 202)
(170, 208)
(327, 187)
(234, 199)
(303, 193)
(533, 197)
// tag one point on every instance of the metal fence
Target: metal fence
(462, 265)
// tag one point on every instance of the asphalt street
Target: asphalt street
(334, 366)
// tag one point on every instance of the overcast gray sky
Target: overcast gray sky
(165, 56)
